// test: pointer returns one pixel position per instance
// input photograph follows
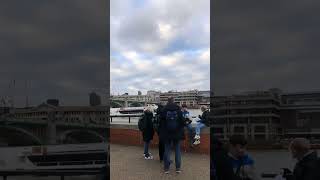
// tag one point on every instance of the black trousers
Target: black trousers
(161, 149)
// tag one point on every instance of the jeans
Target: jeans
(190, 132)
(176, 145)
(199, 126)
(146, 147)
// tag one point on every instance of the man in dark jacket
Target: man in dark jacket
(171, 132)
(203, 122)
(147, 132)
(308, 166)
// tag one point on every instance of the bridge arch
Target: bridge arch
(115, 104)
(136, 104)
(15, 136)
(81, 136)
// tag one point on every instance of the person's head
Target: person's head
(238, 146)
(184, 107)
(147, 110)
(170, 100)
(203, 108)
(299, 147)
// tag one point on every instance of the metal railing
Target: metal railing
(131, 116)
(125, 116)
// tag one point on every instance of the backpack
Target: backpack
(141, 123)
(172, 121)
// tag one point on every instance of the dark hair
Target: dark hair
(170, 99)
(184, 105)
(237, 139)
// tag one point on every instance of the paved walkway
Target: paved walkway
(127, 163)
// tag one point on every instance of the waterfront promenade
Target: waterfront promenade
(127, 163)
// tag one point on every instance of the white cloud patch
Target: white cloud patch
(160, 45)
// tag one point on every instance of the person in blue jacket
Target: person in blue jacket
(188, 121)
(241, 162)
(203, 122)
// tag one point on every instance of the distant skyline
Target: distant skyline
(159, 44)
(136, 93)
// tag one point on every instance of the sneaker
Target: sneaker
(148, 156)
(196, 137)
(196, 142)
(178, 171)
(166, 171)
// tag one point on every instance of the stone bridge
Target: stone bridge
(21, 132)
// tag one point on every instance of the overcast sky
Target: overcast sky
(264, 44)
(159, 45)
(59, 47)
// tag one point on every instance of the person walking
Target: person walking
(172, 132)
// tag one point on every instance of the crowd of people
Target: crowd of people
(170, 122)
(234, 162)
(231, 162)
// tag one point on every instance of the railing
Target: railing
(131, 116)
(125, 116)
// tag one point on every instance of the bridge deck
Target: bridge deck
(127, 163)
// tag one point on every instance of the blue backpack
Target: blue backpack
(172, 121)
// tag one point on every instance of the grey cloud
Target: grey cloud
(50, 42)
(260, 45)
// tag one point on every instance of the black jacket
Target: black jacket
(308, 168)
(221, 168)
(148, 132)
(165, 135)
(205, 118)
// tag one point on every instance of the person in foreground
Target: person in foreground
(242, 163)
(171, 132)
(308, 165)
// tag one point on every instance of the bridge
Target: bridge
(23, 132)
(127, 101)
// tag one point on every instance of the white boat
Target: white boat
(136, 110)
(54, 157)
